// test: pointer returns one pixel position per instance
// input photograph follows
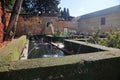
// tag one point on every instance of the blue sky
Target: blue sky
(81, 7)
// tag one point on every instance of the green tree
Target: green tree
(29, 6)
(65, 14)
(68, 14)
(41, 6)
(9, 3)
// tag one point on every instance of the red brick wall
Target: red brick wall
(1, 24)
(37, 25)
(33, 24)
(28, 25)
(4, 20)
(62, 25)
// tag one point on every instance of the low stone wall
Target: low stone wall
(80, 47)
(13, 50)
(102, 65)
(93, 66)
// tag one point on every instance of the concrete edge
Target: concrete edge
(24, 54)
(49, 62)
(13, 50)
(93, 45)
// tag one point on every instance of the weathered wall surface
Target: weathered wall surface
(38, 25)
(66, 24)
(1, 23)
(27, 25)
(90, 25)
(78, 47)
(4, 20)
(35, 24)
(13, 50)
(93, 66)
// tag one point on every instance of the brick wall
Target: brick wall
(4, 20)
(38, 25)
(1, 23)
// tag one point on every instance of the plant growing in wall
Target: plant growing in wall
(95, 36)
(113, 40)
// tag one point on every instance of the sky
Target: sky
(81, 7)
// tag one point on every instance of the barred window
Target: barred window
(103, 21)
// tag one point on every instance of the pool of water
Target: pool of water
(38, 48)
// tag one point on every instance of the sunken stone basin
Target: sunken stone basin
(100, 65)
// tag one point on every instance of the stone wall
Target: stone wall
(78, 47)
(102, 65)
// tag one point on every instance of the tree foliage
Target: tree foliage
(9, 3)
(41, 6)
(65, 14)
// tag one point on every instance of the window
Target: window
(65, 29)
(103, 21)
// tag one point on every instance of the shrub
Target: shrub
(113, 40)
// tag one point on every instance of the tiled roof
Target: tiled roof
(102, 12)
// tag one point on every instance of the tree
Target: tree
(10, 32)
(29, 6)
(65, 14)
(41, 6)
(9, 3)
(68, 14)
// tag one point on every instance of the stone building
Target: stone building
(107, 20)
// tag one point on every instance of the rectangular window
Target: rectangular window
(103, 21)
